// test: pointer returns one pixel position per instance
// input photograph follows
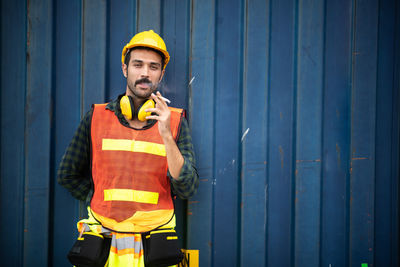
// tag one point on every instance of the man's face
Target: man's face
(143, 73)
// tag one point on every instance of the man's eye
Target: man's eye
(137, 65)
(154, 67)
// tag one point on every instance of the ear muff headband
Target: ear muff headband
(126, 104)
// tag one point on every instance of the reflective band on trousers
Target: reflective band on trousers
(124, 244)
(126, 250)
(131, 195)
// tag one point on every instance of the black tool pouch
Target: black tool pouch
(90, 250)
(161, 248)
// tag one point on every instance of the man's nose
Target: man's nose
(145, 71)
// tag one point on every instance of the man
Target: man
(130, 151)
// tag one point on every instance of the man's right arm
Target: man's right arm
(74, 169)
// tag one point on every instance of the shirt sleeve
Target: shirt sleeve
(74, 169)
(186, 185)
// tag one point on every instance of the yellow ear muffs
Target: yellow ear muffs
(126, 104)
(142, 114)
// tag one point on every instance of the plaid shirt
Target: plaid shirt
(74, 172)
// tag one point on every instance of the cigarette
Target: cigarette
(165, 99)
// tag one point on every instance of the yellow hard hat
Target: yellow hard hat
(147, 39)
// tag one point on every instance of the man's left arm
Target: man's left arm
(186, 184)
(180, 155)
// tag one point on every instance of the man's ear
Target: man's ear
(162, 75)
(125, 70)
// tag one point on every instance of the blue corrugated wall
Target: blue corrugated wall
(293, 106)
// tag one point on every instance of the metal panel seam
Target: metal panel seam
(376, 126)
(24, 161)
(243, 97)
(267, 149)
(396, 140)
(321, 196)
(214, 171)
(348, 182)
(242, 70)
(294, 136)
(190, 65)
(137, 15)
(107, 89)
(52, 111)
(82, 69)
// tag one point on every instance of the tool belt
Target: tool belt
(161, 248)
(90, 250)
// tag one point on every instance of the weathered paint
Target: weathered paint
(12, 164)
(293, 107)
(37, 216)
(336, 124)
(67, 112)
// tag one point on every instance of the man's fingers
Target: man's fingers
(153, 117)
(165, 100)
(152, 110)
(160, 100)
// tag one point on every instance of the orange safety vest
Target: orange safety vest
(132, 192)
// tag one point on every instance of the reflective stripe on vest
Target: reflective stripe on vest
(129, 170)
(133, 146)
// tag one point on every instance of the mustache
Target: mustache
(144, 80)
